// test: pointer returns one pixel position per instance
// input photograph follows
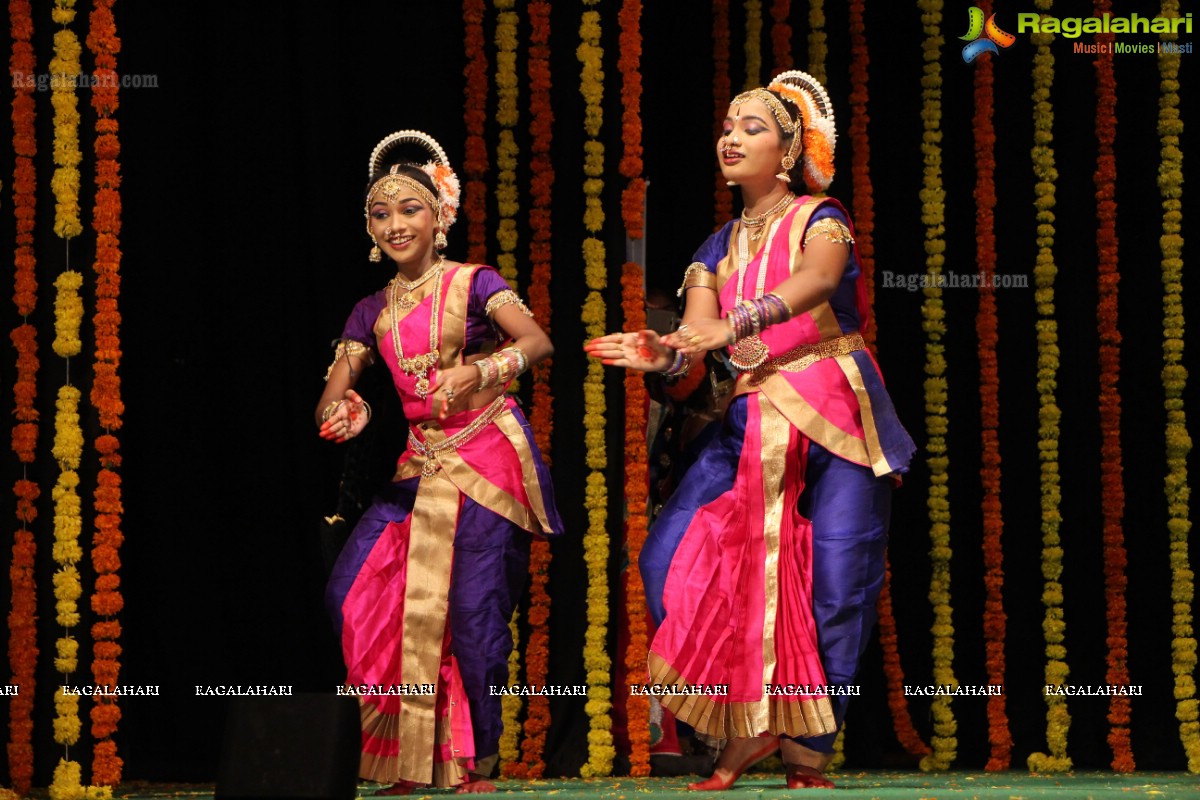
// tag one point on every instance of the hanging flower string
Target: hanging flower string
(1112, 499)
(1045, 273)
(510, 706)
(541, 119)
(781, 35)
(65, 68)
(1179, 444)
(933, 205)
(986, 328)
(753, 44)
(68, 435)
(596, 661)
(633, 306)
(723, 197)
(22, 616)
(107, 600)
(818, 49)
(475, 158)
(507, 116)
(906, 734)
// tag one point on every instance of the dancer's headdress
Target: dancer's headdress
(445, 206)
(813, 128)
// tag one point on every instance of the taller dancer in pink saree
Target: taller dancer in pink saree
(424, 589)
(764, 566)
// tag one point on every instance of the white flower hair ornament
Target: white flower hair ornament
(449, 189)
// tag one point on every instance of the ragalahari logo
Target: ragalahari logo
(991, 33)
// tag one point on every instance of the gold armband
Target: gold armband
(697, 274)
(349, 347)
(507, 297)
(832, 229)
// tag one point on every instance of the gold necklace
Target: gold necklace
(761, 219)
(407, 301)
(418, 365)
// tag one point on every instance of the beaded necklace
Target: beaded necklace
(751, 351)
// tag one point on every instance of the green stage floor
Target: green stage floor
(874, 784)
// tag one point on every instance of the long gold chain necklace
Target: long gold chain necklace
(751, 352)
(418, 366)
(755, 224)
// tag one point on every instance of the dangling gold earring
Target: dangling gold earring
(376, 255)
(788, 163)
(439, 241)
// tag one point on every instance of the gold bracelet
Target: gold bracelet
(330, 410)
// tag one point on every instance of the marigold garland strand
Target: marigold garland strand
(633, 306)
(65, 67)
(510, 708)
(781, 35)
(753, 44)
(68, 435)
(1045, 272)
(987, 330)
(107, 600)
(537, 653)
(1174, 376)
(1112, 498)
(596, 660)
(722, 84)
(22, 615)
(818, 50)
(507, 151)
(475, 156)
(933, 205)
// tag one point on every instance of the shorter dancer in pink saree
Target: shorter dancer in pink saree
(424, 589)
(763, 567)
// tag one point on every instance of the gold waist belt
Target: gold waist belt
(805, 355)
(431, 451)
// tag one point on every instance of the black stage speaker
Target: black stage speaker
(305, 746)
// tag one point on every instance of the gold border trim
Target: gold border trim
(786, 716)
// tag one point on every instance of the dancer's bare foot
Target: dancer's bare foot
(805, 767)
(802, 777)
(737, 757)
(477, 785)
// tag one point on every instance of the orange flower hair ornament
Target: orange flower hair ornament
(818, 135)
(438, 169)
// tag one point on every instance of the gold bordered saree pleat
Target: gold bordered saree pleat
(788, 716)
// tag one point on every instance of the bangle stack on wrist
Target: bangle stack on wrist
(751, 317)
(501, 367)
(679, 366)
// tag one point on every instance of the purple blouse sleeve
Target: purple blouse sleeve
(714, 248)
(480, 330)
(828, 210)
(361, 325)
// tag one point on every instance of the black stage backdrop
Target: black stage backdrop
(244, 252)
